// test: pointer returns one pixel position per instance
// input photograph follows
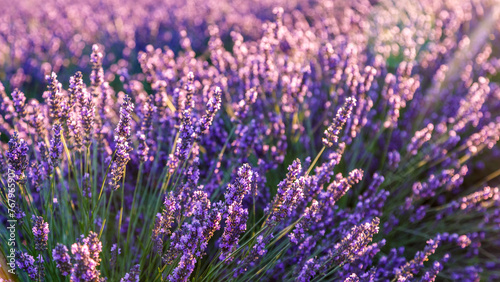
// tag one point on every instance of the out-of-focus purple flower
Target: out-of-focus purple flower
(419, 139)
(132, 275)
(189, 88)
(352, 278)
(97, 75)
(37, 120)
(19, 214)
(393, 159)
(244, 105)
(309, 270)
(115, 251)
(19, 103)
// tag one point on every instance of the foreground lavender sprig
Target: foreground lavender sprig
(236, 215)
(34, 268)
(354, 244)
(86, 254)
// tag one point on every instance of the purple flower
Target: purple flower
(122, 139)
(87, 113)
(55, 98)
(132, 275)
(37, 120)
(243, 106)
(62, 259)
(355, 243)
(40, 232)
(164, 222)
(419, 139)
(146, 126)
(17, 155)
(352, 278)
(86, 253)
(34, 269)
(186, 136)
(189, 88)
(430, 276)
(309, 270)
(97, 75)
(56, 146)
(115, 251)
(236, 215)
(213, 105)
(343, 114)
(76, 89)
(191, 240)
(412, 267)
(84, 267)
(310, 216)
(19, 103)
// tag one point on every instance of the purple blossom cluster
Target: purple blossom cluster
(250, 140)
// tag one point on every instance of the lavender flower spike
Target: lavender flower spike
(40, 232)
(62, 259)
(236, 214)
(333, 131)
(86, 253)
(133, 275)
(87, 113)
(17, 155)
(34, 268)
(55, 146)
(354, 244)
(55, 98)
(213, 106)
(289, 194)
(19, 102)
(122, 139)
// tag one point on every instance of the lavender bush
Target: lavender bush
(250, 141)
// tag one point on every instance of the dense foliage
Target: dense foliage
(213, 141)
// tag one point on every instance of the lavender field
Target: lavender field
(267, 140)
